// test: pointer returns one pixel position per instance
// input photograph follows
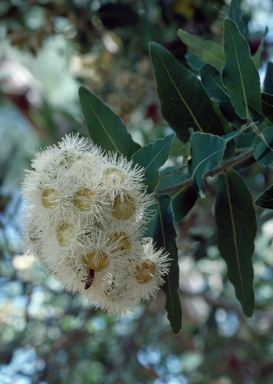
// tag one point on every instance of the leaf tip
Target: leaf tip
(82, 88)
(248, 305)
(153, 45)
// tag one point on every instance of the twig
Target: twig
(219, 168)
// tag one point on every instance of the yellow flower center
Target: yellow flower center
(95, 260)
(122, 242)
(145, 271)
(83, 199)
(113, 177)
(65, 233)
(123, 209)
(50, 198)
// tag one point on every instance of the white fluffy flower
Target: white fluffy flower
(146, 273)
(120, 176)
(84, 215)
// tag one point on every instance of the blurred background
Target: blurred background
(48, 49)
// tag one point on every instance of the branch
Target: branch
(247, 154)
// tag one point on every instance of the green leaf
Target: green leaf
(268, 81)
(206, 152)
(263, 146)
(236, 14)
(257, 56)
(206, 50)
(193, 62)
(230, 136)
(265, 200)
(236, 222)
(184, 103)
(164, 236)
(151, 158)
(240, 75)
(105, 127)
(267, 105)
(183, 199)
(212, 82)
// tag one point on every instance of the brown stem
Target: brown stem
(219, 168)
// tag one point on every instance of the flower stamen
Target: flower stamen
(96, 260)
(123, 208)
(65, 234)
(83, 199)
(145, 271)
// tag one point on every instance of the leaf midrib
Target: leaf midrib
(241, 77)
(204, 44)
(205, 159)
(234, 236)
(158, 154)
(105, 129)
(165, 247)
(181, 96)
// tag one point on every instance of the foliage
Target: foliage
(193, 109)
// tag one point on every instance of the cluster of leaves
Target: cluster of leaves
(218, 116)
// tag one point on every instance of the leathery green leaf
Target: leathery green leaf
(184, 102)
(236, 222)
(267, 105)
(206, 50)
(164, 237)
(263, 146)
(206, 152)
(235, 14)
(265, 200)
(151, 157)
(212, 82)
(257, 56)
(240, 75)
(268, 80)
(105, 127)
(194, 63)
(183, 201)
(184, 198)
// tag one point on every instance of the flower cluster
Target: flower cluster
(84, 210)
